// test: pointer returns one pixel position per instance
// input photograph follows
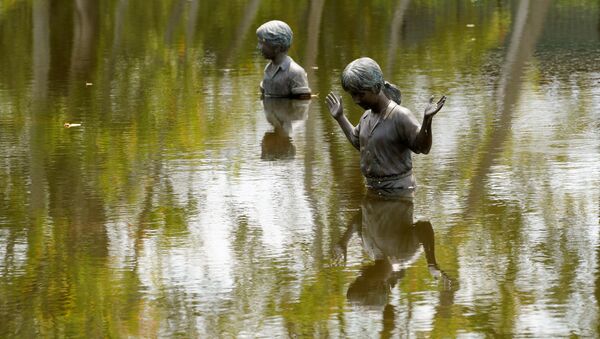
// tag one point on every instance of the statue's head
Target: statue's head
(374, 285)
(275, 33)
(363, 74)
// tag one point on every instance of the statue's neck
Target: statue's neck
(382, 103)
(278, 59)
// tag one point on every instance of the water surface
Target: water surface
(185, 206)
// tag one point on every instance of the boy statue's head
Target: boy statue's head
(274, 38)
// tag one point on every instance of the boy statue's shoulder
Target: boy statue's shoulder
(295, 68)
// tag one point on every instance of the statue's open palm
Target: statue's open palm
(336, 107)
(433, 108)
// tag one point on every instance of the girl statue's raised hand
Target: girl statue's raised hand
(336, 107)
(432, 108)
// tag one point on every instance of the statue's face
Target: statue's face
(267, 50)
(364, 99)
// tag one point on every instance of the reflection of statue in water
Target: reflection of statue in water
(393, 241)
(281, 113)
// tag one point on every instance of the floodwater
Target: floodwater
(178, 204)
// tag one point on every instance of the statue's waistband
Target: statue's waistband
(403, 181)
(391, 177)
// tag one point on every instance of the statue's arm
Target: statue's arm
(424, 232)
(299, 84)
(423, 140)
(341, 247)
(336, 108)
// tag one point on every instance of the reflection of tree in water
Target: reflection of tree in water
(281, 114)
(597, 273)
(85, 20)
(527, 28)
(393, 241)
(243, 28)
(396, 31)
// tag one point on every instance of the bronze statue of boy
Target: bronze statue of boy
(283, 77)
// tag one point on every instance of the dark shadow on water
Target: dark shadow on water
(281, 113)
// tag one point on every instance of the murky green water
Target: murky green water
(183, 206)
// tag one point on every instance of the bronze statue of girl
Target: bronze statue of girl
(387, 133)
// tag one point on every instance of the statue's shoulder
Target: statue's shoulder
(295, 68)
(365, 115)
(268, 66)
(400, 110)
(401, 114)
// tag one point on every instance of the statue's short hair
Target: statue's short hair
(363, 74)
(276, 33)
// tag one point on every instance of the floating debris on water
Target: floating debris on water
(88, 84)
(470, 25)
(69, 125)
